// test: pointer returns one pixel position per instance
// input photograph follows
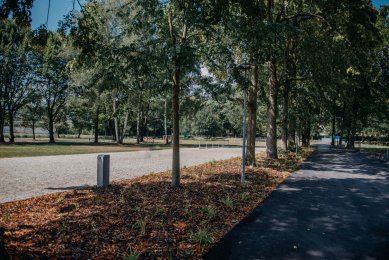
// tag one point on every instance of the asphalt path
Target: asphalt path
(335, 207)
(22, 178)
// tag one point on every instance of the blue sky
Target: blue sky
(59, 8)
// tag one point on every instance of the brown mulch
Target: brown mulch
(143, 216)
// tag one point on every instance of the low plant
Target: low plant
(141, 224)
(201, 237)
(228, 202)
(132, 255)
(245, 195)
(210, 212)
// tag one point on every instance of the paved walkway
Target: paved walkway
(335, 207)
(22, 178)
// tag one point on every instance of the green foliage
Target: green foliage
(202, 237)
(228, 202)
(210, 212)
(132, 255)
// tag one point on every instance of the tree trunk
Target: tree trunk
(285, 113)
(2, 119)
(97, 117)
(292, 130)
(124, 128)
(176, 129)
(33, 130)
(51, 128)
(252, 117)
(165, 122)
(138, 126)
(333, 132)
(352, 139)
(271, 141)
(306, 135)
(11, 127)
(115, 119)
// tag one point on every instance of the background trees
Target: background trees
(154, 68)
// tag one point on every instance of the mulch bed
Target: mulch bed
(142, 217)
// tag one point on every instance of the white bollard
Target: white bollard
(102, 170)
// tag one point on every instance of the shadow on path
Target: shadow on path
(335, 207)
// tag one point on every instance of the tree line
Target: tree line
(121, 65)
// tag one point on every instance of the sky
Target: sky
(59, 8)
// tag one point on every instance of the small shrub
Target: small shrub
(228, 202)
(132, 255)
(245, 195)
(201, 237)
(210, 212)
(141, 224)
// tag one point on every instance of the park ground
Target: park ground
(26, 147)
(142, 216)
(334, 207)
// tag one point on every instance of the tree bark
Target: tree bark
(306, 135)
(285, 114)
(271, 141)
(51, 127)
(176, 129)
(292, 130)
(115, 119)
(252, 117)
(333, 132)
(2, 119)
(96, 121)
(11, 126)
(124, 128)
(33, 130)
(138, 126)
(165, 122)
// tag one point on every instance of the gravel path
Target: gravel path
(27, 177)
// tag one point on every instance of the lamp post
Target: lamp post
(244, 67)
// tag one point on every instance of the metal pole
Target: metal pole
(243, 176)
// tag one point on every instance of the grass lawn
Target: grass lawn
(25, 147)
(143, 217)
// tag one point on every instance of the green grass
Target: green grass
(27, 149)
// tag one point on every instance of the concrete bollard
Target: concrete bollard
(102, 170)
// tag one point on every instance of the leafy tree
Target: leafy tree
(52, 74)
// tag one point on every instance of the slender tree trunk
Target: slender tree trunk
(79, 133)
(285, 114)
(306, 135)
(292, 130)
(252, 117)
(115, 119)
(11, 126)
(333, 132)
(342, 125)
(97, 117)
(176, 129)
(138, 123)
(271, 141)
(352, 139)
(165, 122)
(124, 128)
(33, 130)
(2, 115)
(51, 127)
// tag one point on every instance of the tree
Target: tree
(52, 74)
(16, 72)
